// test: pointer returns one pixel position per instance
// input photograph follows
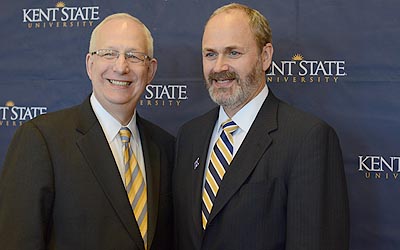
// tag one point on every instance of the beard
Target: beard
(238, 94)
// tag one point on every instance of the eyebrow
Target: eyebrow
(226, 49)
(126, 50)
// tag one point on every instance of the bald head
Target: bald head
(121, 16)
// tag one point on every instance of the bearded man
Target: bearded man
(255, 173)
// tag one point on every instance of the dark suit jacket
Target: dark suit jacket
(285, 188)
(61, 189)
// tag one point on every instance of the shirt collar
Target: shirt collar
(245, 117)
(108, 123)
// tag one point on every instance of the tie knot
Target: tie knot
(125, 134)
(229, 126)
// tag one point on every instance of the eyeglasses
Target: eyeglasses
(112, 55)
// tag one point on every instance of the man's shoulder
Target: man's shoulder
(297, 115)
(201, 120)
(153, 130)
(298, 122)
(56, 118)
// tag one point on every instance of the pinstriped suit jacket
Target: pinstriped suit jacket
(284, 190)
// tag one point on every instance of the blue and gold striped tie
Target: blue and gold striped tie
(134, 184)
(220, 159)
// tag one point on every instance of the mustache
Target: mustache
(222, 75)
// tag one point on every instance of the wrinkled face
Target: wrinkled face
(233, 65)
(119, 83)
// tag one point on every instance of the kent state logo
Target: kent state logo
(60, 16)
(12, 115)
(164, 95)
(299, 70)
(377, 167)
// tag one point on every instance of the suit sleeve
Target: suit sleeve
(26, 191)
(317, 208)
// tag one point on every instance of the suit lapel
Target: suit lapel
(201, 140)
(253, 147)
(152, 161)
(93, 143)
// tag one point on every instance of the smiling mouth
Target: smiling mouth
(119, 83)
(221, 81)
(222, 78)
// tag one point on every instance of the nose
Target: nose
(221, 64)
(121, 65)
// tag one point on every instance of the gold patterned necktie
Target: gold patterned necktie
(220, 159)
(134, 184)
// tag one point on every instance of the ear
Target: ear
(89, 65)
(152, 68)
(266, 54)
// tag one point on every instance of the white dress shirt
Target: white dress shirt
(244, 118)
(111, 129)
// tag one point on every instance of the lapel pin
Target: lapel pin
(196, 163)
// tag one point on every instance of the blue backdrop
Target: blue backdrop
(337, 59)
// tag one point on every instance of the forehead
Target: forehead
(121, 32)
(228, 29)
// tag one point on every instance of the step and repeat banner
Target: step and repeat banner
(337, 59)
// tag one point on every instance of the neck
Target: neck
(232, 110)
(122, 114)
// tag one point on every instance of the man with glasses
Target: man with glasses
(94, 176)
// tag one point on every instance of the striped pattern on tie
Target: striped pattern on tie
(220, 159)
(134, 184)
